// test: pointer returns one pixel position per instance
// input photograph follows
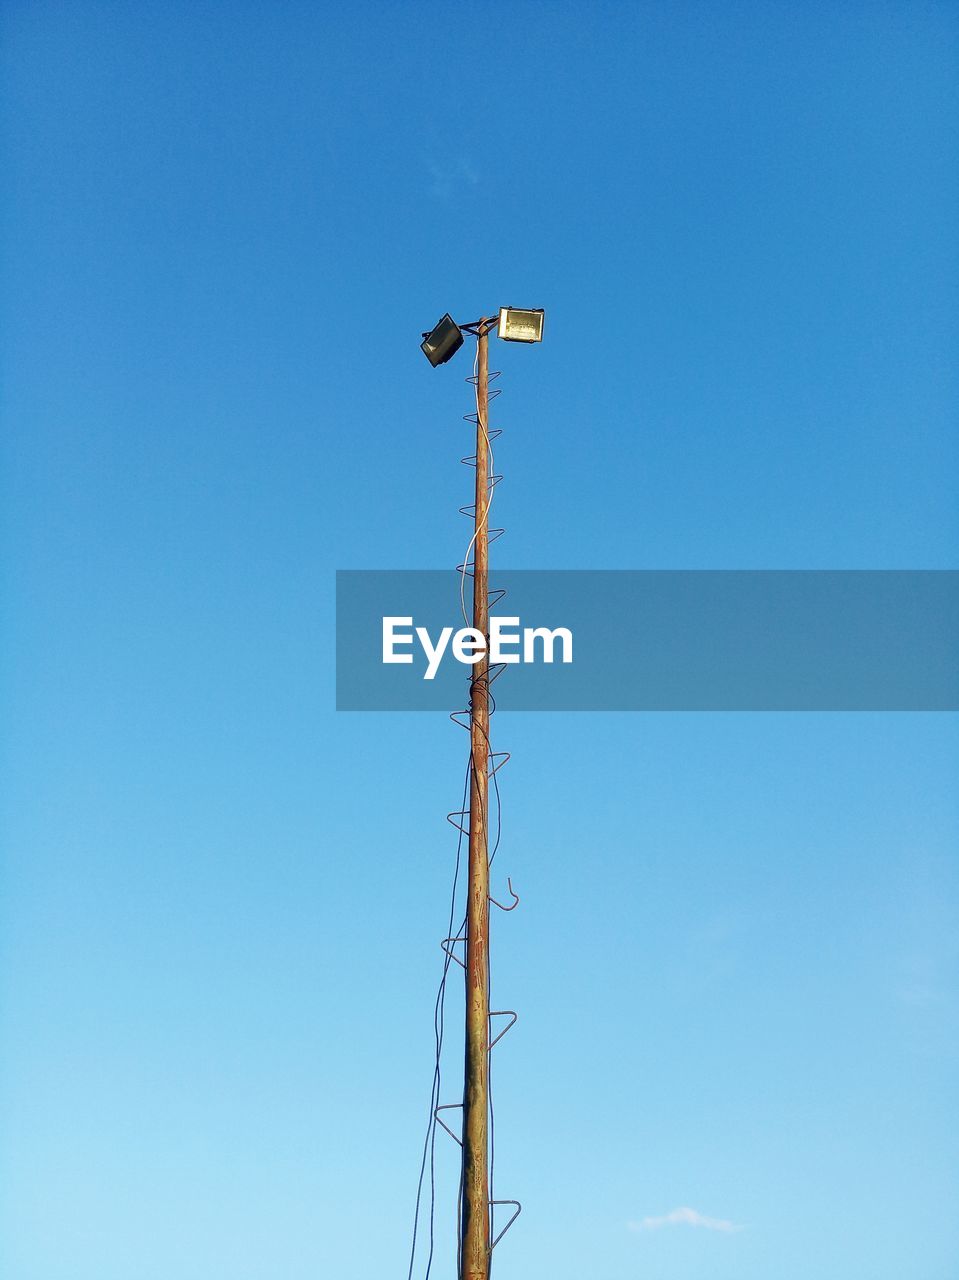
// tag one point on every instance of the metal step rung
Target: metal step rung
(519, 1210)
(500, 1013)
(449, 1106)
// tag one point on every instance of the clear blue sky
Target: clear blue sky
(223, 228)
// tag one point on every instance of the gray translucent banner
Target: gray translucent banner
(667, 640)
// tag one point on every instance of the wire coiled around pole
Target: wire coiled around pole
(493, 763)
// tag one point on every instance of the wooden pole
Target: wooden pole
(475, 1253)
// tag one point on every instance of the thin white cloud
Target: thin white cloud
(684, 1217)
(449, 178)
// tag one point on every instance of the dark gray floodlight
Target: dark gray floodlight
(517, 324)
(443, 342)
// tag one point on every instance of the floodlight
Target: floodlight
(517, 325)
(444, 341)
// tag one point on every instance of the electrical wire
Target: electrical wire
(484, 520)
(489, 1052)
(429, 1145)
(439, 1029)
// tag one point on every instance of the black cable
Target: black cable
(439, 1008)
(489, 1068)
(438, 1033)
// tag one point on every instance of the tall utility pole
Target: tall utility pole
(476, 1189)
(475, 1246)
